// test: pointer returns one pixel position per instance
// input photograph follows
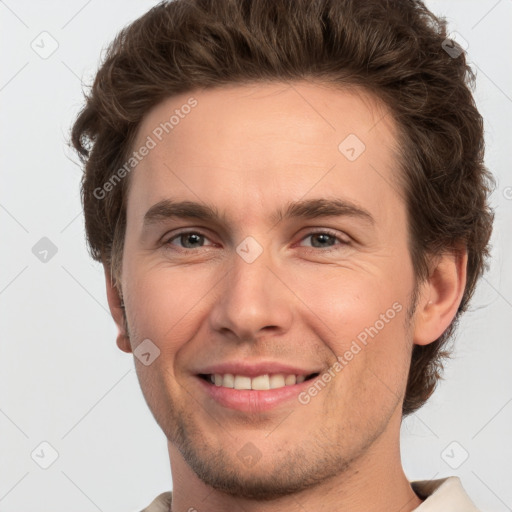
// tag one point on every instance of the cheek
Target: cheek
(163, 307)
(362, 320)
(350, 302)
(164, 302)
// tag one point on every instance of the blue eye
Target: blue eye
(188, 237)
(190, 240)
(326, 241)
(322, 239)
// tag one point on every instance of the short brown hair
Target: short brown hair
(394, 49)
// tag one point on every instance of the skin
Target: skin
(248, 150)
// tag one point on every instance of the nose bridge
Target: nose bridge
(252, 298)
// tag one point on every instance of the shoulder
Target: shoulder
(162, 503)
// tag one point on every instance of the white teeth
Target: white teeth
(290, 380)
(261, 382)
(228, 381)
(277, 381)
(242, 382)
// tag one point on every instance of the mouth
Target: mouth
(253, 394)
(264, 382)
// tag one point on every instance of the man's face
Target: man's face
(251, 293)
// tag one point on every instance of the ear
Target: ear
(440, 296)
(116, 307)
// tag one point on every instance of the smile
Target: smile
(254, 394)
(259, 382)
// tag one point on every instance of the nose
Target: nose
(253, 299)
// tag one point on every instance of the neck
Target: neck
(375, 481)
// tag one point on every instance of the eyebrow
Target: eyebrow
(305, 209)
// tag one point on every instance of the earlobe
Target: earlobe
(440, 297)
(116, 306)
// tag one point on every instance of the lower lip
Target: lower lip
(250, 400)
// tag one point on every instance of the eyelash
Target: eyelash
(332, 234)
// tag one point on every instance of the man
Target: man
(290, 204)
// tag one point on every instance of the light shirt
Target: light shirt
(442, 495)
(446, 494)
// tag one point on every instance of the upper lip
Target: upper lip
(255, 368)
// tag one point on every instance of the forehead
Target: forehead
(250, 145)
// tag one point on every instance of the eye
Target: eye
(189, 240)
(325, 239)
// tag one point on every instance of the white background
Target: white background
(62, 378)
